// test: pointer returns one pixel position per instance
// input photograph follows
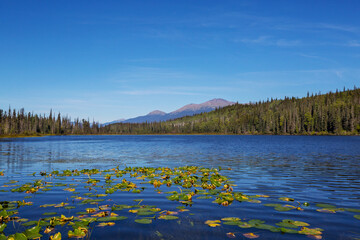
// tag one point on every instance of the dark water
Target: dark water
(313, 169)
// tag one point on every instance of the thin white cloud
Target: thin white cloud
(177, 90)
(270, 41)
(155, 92)
(343, 28)
(353, 43)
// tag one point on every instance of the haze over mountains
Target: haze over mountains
(187, 110)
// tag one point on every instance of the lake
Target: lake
(310, 179)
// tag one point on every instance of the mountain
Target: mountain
(333, 113)
(112, 122)
(187, 110)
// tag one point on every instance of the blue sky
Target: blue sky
(106, 60)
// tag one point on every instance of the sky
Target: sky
(107, 60)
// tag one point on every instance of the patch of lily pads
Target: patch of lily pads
(187, 185)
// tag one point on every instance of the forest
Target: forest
(333, 113)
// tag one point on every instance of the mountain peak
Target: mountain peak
(205, 106)
(157, 112)
(187, 110)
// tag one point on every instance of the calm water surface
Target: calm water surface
(313, 169)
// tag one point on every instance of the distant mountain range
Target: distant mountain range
(187, 110)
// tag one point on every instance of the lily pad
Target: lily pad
(49, 213)
(17, 236)
(33, 232)
(324, 205)
(2, 227)
(107, 219)
(213, 223)
(250, 235)
(168, 217)
(143, 221)
(57, 236)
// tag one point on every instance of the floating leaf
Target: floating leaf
(286, 230)
(69, 207)
(100, 214)
(288, 223)
(48, 205)
(2, 227)
(61, 204)
(17, 236)
(267, 227)
(49, 213)
(352, 210)
(213, 223)
(286, 199)
(231, 219)
(314, 236)
(310, 231)
(254, 222)
(230, 235)
(79, 232)
(324, 210)
(143, 221)
(204, 197)
(250, 235)
(106, 219)
(282, 209)
(168, 217)
(244, 225)
(57, 236)
(324, 205)
(104, 224)
(357, 216)
(33, 232)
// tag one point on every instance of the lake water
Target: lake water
(309, 169)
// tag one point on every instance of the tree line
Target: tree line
(14, 123)
(331, 113)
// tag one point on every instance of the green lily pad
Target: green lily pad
(2, 227)
(311, 231)
(30, 223)
(77, 233)
(282, 209)
(273, 205)
(286, 199)
(49, 213)
(22, 220)
(324, 205)
(233, 223)
(33, 232)
(352, 210)
(286, 224)
(168, 217)
(204, 197)
(286, 230)
(143, 221)
(108, 219)
(69, 207)
(254, 222)
(244, 225)
(17, 236)
(144, 213)
(267, 227)
(357, 216)
(57, 236)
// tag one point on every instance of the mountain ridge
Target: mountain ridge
(187, 110)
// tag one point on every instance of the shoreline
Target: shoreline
(175, 134)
